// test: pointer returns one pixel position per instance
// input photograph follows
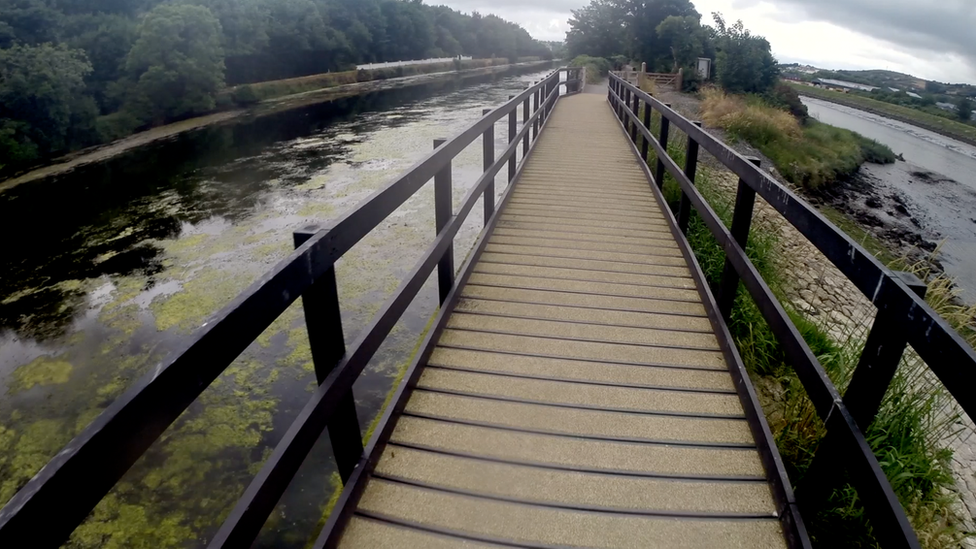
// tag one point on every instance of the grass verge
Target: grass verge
(938, 124)
(906, 435)
(810, 154)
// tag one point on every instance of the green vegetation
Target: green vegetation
(947, 126)
(744, 63)
(596, 67)
(811, 154)
(74, 74)
(907, 431)
(669, 36)
(43, 370)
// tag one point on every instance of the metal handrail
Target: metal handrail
(903, 316)
(52, 504)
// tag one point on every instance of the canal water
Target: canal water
(938, 178)
(109, 269)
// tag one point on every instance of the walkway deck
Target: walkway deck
(578, 396)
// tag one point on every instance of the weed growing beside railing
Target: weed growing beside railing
(909, 431)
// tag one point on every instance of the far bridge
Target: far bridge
(578, 386)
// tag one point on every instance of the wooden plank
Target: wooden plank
(578, 394)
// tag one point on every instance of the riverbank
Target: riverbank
(100, 153)
(939, 125)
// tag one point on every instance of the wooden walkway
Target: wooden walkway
(578, 396)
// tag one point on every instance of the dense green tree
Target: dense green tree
(150, 61)
(176, 63)
(744, 62)
(606, 28)
(43, 109)
(596, 30)
(30, 22)
(106, 39)
(686, 38)
(965, 109)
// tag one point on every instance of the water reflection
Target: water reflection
(113, 266)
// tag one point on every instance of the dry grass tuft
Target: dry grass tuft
(756, 123)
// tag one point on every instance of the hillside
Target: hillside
(882, 79)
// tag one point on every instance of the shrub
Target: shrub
(596, 67)
(115, 126)
(786, 98)
(244, 96)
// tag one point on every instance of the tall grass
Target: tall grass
(809, 155)
(908, 433)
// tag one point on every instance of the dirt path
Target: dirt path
(104, 152)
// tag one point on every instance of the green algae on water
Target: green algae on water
(201, 296)
(43, 370)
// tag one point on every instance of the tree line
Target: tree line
(80, 72)
(668, 35)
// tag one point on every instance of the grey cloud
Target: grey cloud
(933, 28)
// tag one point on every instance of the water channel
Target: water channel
(938, 178)
(109, 269)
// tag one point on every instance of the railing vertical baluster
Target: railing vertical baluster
(488, 145)
(625, 108)
(512, 131)
(443, 211)
(645, 144)
(876, 368)
(636, 111)
(691, 169)
(535, 109)
(616, 97)
(525, 120)
(323, 322)
(663, 140)
(745, 200)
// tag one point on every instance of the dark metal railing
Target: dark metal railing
(903, 316)
(52, 504)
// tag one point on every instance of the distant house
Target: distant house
(913, 95)
(947, 107)
(841, 85)
(896, 90)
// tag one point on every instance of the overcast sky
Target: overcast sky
(933, 39)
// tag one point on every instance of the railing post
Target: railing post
(443, 210)
(876, 368)
(626, 107)
(645, 143)
(619, 99)
(488, 145)
(323, 322)
(512, 131)
(691, 169)
(535, 123)
(663, 140)
(882, 353)
(525, 121)
(745, 201)
(636, 111)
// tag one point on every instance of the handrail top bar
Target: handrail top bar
(875, 280)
